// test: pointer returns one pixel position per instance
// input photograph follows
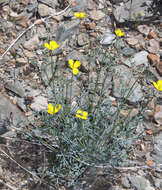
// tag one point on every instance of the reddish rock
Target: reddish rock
(132, 41)
(153, 46)
(158, 114)
(144, 29)
(152, 35)
(159, 67)
(93, 34)
(21, 61)
(90, 26)
(153, 58)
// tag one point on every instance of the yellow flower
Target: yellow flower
(82, 114)
(52, 45)
(140, 14)
(158, 85)
(79, 15)
(53, 109)
(74, 66)
(119, 32)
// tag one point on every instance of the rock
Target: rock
(152, 34)
(120, 44)
(125, 182)
(153, 58)
(144, 29)
(96, 15)
(132, 41)
(157, 182)
(64, 31)
(159, 67)
(127, 51)
(80, 6)
(153, 46)
(33, 92)
(29, 54)
(15, 87)
(132, 10)
(50, 3)
(90, 25)
(45, 10)
(140, 183)
(137, 59)
(10, 111)
(83, 39)
(108, 38)
(160, 34)
(3, 2)
(40, 103)
(123, 81)
(75, 91)
(21, 61)
(22, 20)
(21, 104)
(157, 152)
(158, 114)
(32, 43)
(130, 113)
(32, 7)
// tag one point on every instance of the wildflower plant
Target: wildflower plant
(86, 128)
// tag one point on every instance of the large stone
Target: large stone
(132, 10)
(158, 114)
(50, 3)
(140, 183)
(108, 38)
(137, 59)
(157, 152)
(40, 103)
(45, 10)
(96, 15)
(15, 87)
(9, 111)
(32, 43)
(159, 67)
(125, 85)
(83, 39)
(64, 31)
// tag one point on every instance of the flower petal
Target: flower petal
(46, 45)
(53, 109)
(71, 63)
(75, 71)
(82, 15)
(159, 84)
(57, 108)
(79, 15)
(52, 45)
(50, 109)
(119, 32)
(156, 86)
(77, 64)
(76, 14)
(82, 114)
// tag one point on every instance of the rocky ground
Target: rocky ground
(23, 82)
